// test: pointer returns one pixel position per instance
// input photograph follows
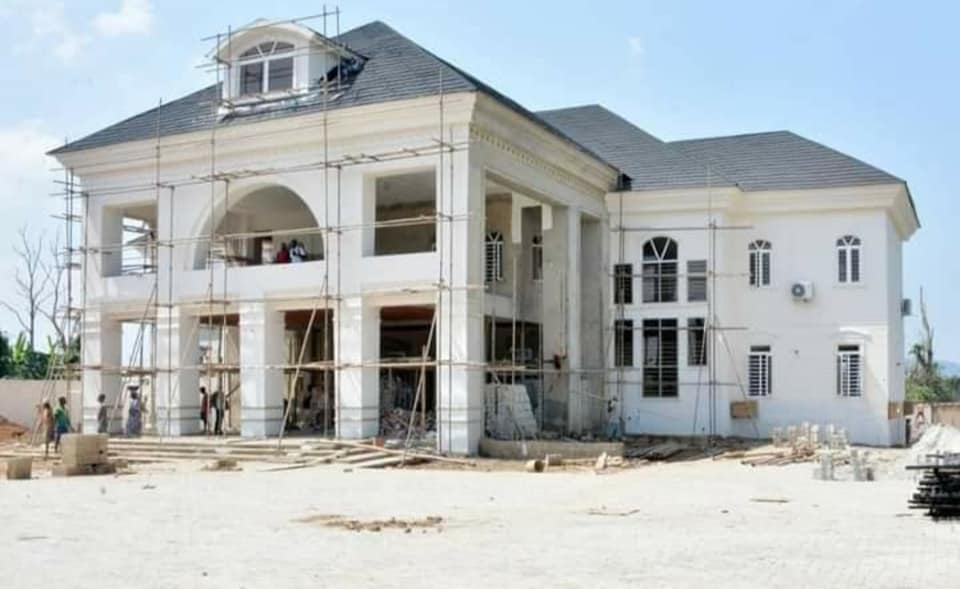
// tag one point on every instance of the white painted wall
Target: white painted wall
(803, 336)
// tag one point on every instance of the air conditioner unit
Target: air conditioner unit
(802, 291)
(906, 307)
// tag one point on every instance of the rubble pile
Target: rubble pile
(394, 423)
(10, 430)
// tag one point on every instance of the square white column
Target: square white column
(102, 357)
(262, 353)
(460, 372)
(575, 403)
(177, 394)
(358, 386)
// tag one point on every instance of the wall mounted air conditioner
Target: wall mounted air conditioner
(802, 291)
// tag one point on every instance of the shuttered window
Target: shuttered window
(659, 273)
(760, 371)
(660, 358)
(848, 259)
(494, 257)
(696, 280)
(623, 342)
(623, 284)
(849, 371)
(760, 251)
(696, 342)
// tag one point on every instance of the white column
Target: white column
(358, 386)
(262, 352)
(460, 326)
(575, 404)
(102, 349)
(177, 394)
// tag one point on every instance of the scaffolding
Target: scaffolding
(218, 308)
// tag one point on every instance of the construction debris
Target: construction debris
(394, 423)
(662, 451)
(10, 430)
(356, 525)
(223, 464)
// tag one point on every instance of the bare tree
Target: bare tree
(54, 270)
(30, 284)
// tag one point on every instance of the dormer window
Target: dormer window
(267, 67)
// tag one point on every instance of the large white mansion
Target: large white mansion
(630, 284)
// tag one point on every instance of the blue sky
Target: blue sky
(878, 80)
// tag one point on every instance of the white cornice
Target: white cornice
(283, 133)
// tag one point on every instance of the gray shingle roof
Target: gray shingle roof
(778, 160)
(782, 160)
(651, 163)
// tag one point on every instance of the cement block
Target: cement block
(19, 468)
(82, 449)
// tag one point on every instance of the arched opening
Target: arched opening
(270, 225)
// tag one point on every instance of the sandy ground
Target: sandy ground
(689, 524)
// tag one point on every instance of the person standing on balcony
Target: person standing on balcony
(298, 253)
(283, 256)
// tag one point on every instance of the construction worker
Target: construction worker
(102, 419)
(61, 420)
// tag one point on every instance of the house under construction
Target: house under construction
(346, 235)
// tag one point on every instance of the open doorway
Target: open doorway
(408, 372)
(309, 399)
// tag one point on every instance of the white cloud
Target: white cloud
(49, 26)
(135, 17)
(636, 45)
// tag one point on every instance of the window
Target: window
(848, 259)
(660, 358)
(494, 257)
(623, 284)
(760, 371)
(660, 270)
(760, 263)
(536, 252)
(623, 343)
(849, 371)
(696, 342)
(696, 280)
(262, 71)
(406, 213)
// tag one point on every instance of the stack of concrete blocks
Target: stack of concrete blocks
(509, 414)
(824, 468)
(20, 468)
(84, 454)
(776, 434)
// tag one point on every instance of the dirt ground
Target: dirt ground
(684, 524)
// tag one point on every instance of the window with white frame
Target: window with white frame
(760, 371)
(494, 257)
(848, 259)
(536, 253)
(696, 280)
(696, 342)
(849, 370)
(659, 270)
(660, 358)
(760, 251)
(623, 284)
(266, 67)
(623, 343)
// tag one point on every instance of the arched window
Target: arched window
(266, 67)
(660, 270)
(848, 259)
(760, 251)
(494, 257)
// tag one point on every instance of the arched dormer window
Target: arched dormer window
(660, 270)
(494, 257)
(848, 259)
(760, 253)
(267, 67)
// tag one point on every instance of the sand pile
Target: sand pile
(10, 430)
(936, 439)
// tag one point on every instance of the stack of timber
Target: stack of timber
(938, 491)
(663, 451)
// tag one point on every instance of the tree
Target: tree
(31, 285)
(924, 381)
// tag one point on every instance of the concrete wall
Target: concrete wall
(20, 400)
